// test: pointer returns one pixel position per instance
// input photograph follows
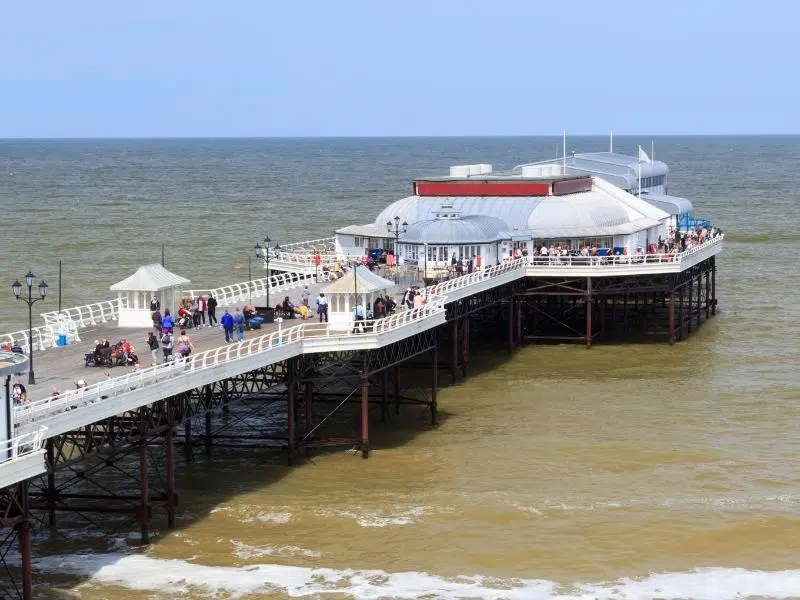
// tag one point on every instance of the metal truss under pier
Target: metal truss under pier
(662, 307)
(124, 466)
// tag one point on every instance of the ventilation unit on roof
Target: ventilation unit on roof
(541, 171)
(470, 170)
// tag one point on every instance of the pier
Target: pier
(321, 384)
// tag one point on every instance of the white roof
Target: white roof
(367, 283)
(150, 278)
(603, 210)
(374, 231)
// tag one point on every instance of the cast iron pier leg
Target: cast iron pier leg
(290, 418)
(309, 397)
(713, 286)
(454, 354)
(435, 380)
(144, 515)
(364, 415)
(511, 325)
(51, 482)
(384, 395)
(24, 537)
(169, 440)
(396, 394)
(588, 338)
(671, 325)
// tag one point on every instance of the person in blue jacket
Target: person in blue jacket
(226, 320)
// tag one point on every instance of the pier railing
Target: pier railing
(622, 260)
(447, 287)
(44, 337)
(88, 314)
(35, 410)
(239, 292)
(22, 445)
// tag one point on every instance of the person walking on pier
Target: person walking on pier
(167, 323)
(202, 306)
(157, 322)
(322, 308)
(212, 308)
(152, 342)
(226, 320)
(238, 325)
(184, 344)
(166, 345)
(154, 304)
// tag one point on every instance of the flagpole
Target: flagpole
(639, 170)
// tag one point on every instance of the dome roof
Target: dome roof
(472, 229)
(576, 213)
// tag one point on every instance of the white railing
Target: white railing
(446, 287)
(21, 445)
(239, 292)
(34, 410)
(620, 260)
(43, 337)
(88, 314)
(327, 244)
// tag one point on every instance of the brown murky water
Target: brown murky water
(626, 471)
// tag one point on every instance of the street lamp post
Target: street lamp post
(16, 287)
(396, 229)
(263, 251)
(249, 281)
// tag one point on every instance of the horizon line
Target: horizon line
(361, 137)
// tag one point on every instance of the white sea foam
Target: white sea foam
(170, 577)
(251, 514)
(247, 552)
(373, 518)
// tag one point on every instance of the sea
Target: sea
(625, 472)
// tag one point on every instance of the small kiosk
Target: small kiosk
(357, 286)
(135, 292)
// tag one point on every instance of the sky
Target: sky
(198, 68)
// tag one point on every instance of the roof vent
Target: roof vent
(447, 211)
(470, 170)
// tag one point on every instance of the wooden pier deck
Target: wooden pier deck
(59, 367)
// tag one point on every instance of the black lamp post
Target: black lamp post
(396, 229)
(16, 287)
(263, 252)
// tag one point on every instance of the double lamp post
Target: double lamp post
(396, 229)
(263, 252)
(16, 287)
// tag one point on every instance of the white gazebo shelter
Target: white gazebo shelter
(135, 292)
(357, 286)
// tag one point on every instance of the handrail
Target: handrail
(43, 337)
(88, 314)
(620, 259)
(238, 292)
(23, 444)
(30, 411)
(328, 243)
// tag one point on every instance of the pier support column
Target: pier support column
(713, 286)
(464, 345)
(518, 321)
(364, 415)
(207, 406)
(435, 380)
(24, 539)
(144, 508)
(187, 433)
(588, 338)
(671, 319)
(384, 395)
(51, 482)
(708, 294)
(691, 299)
(511, 326)
(454, 354)
(225, 399)
(290, 412)
(169, 441)
(396, 391)
(309, 415)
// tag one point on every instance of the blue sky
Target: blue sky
(370, 68)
